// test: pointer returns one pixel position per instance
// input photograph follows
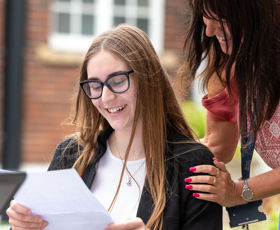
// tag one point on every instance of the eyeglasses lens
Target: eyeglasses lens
(117, 84)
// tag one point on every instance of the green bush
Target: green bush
(273, 220)
(195, 116)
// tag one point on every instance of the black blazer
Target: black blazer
(182, 210)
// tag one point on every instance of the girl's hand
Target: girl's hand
(129, 224)
(217, 186)
(21, 218)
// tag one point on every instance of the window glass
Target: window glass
(143, 3)
(89, 1)
(143, 24)
(119, 2)
(135, 12)
(87, 24)
(63, 25)
(118, 20)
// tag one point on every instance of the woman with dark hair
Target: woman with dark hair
(238, 40)
(133, 146)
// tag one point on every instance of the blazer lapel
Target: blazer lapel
(146, 204)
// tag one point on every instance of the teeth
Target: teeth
(221, 38)
(114, 110)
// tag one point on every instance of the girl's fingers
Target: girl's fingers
(27, 225)
(19, 208)
(21, 218)
(24, 218)
(129, 224)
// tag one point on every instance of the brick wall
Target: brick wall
(175, 24)
(48, 91)
(176, 12)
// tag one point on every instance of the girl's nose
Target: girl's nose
(107, 94)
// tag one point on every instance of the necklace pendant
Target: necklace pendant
(129, 181)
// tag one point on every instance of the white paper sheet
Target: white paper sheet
(62, 199)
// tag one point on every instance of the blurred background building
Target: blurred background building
(42, 43)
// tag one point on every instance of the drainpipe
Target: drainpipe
(13, 80)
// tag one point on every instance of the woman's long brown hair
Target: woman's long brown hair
(255, 31)
(156, 103)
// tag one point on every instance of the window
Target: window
(134, 12)
(75, 23)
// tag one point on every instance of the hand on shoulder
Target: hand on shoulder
(216, 186)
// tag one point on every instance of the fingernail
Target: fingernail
(187, 180)
(188, 186)
(192, 169)
(195, 194)
(215, 159)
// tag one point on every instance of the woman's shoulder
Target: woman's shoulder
(66, 153)
(187, 150)
(68, 143)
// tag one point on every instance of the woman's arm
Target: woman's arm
(266, 184)
(221, 137)
(222, 132)
(225, 191)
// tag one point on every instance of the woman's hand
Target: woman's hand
(133, 224)
(21, 218)
(217, 186)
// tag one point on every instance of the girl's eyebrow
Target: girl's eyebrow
(114, 73)
(93, 78)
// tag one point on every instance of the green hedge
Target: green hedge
(195, 116)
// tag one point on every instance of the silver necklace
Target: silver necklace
(130, 176)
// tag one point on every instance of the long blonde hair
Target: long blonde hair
(155, 102)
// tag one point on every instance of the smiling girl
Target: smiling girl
(133, 144)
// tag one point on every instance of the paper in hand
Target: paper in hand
(63, 200)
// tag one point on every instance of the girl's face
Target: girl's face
(214, 28)
(117, 108)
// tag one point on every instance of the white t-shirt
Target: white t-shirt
(106, 182)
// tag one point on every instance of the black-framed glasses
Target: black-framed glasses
(116, 82)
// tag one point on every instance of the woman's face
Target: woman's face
(214, 28)
(117, 108)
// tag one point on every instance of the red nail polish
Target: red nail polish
(192, 169)
(196, 195)
(188, 186)
(187, 180)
